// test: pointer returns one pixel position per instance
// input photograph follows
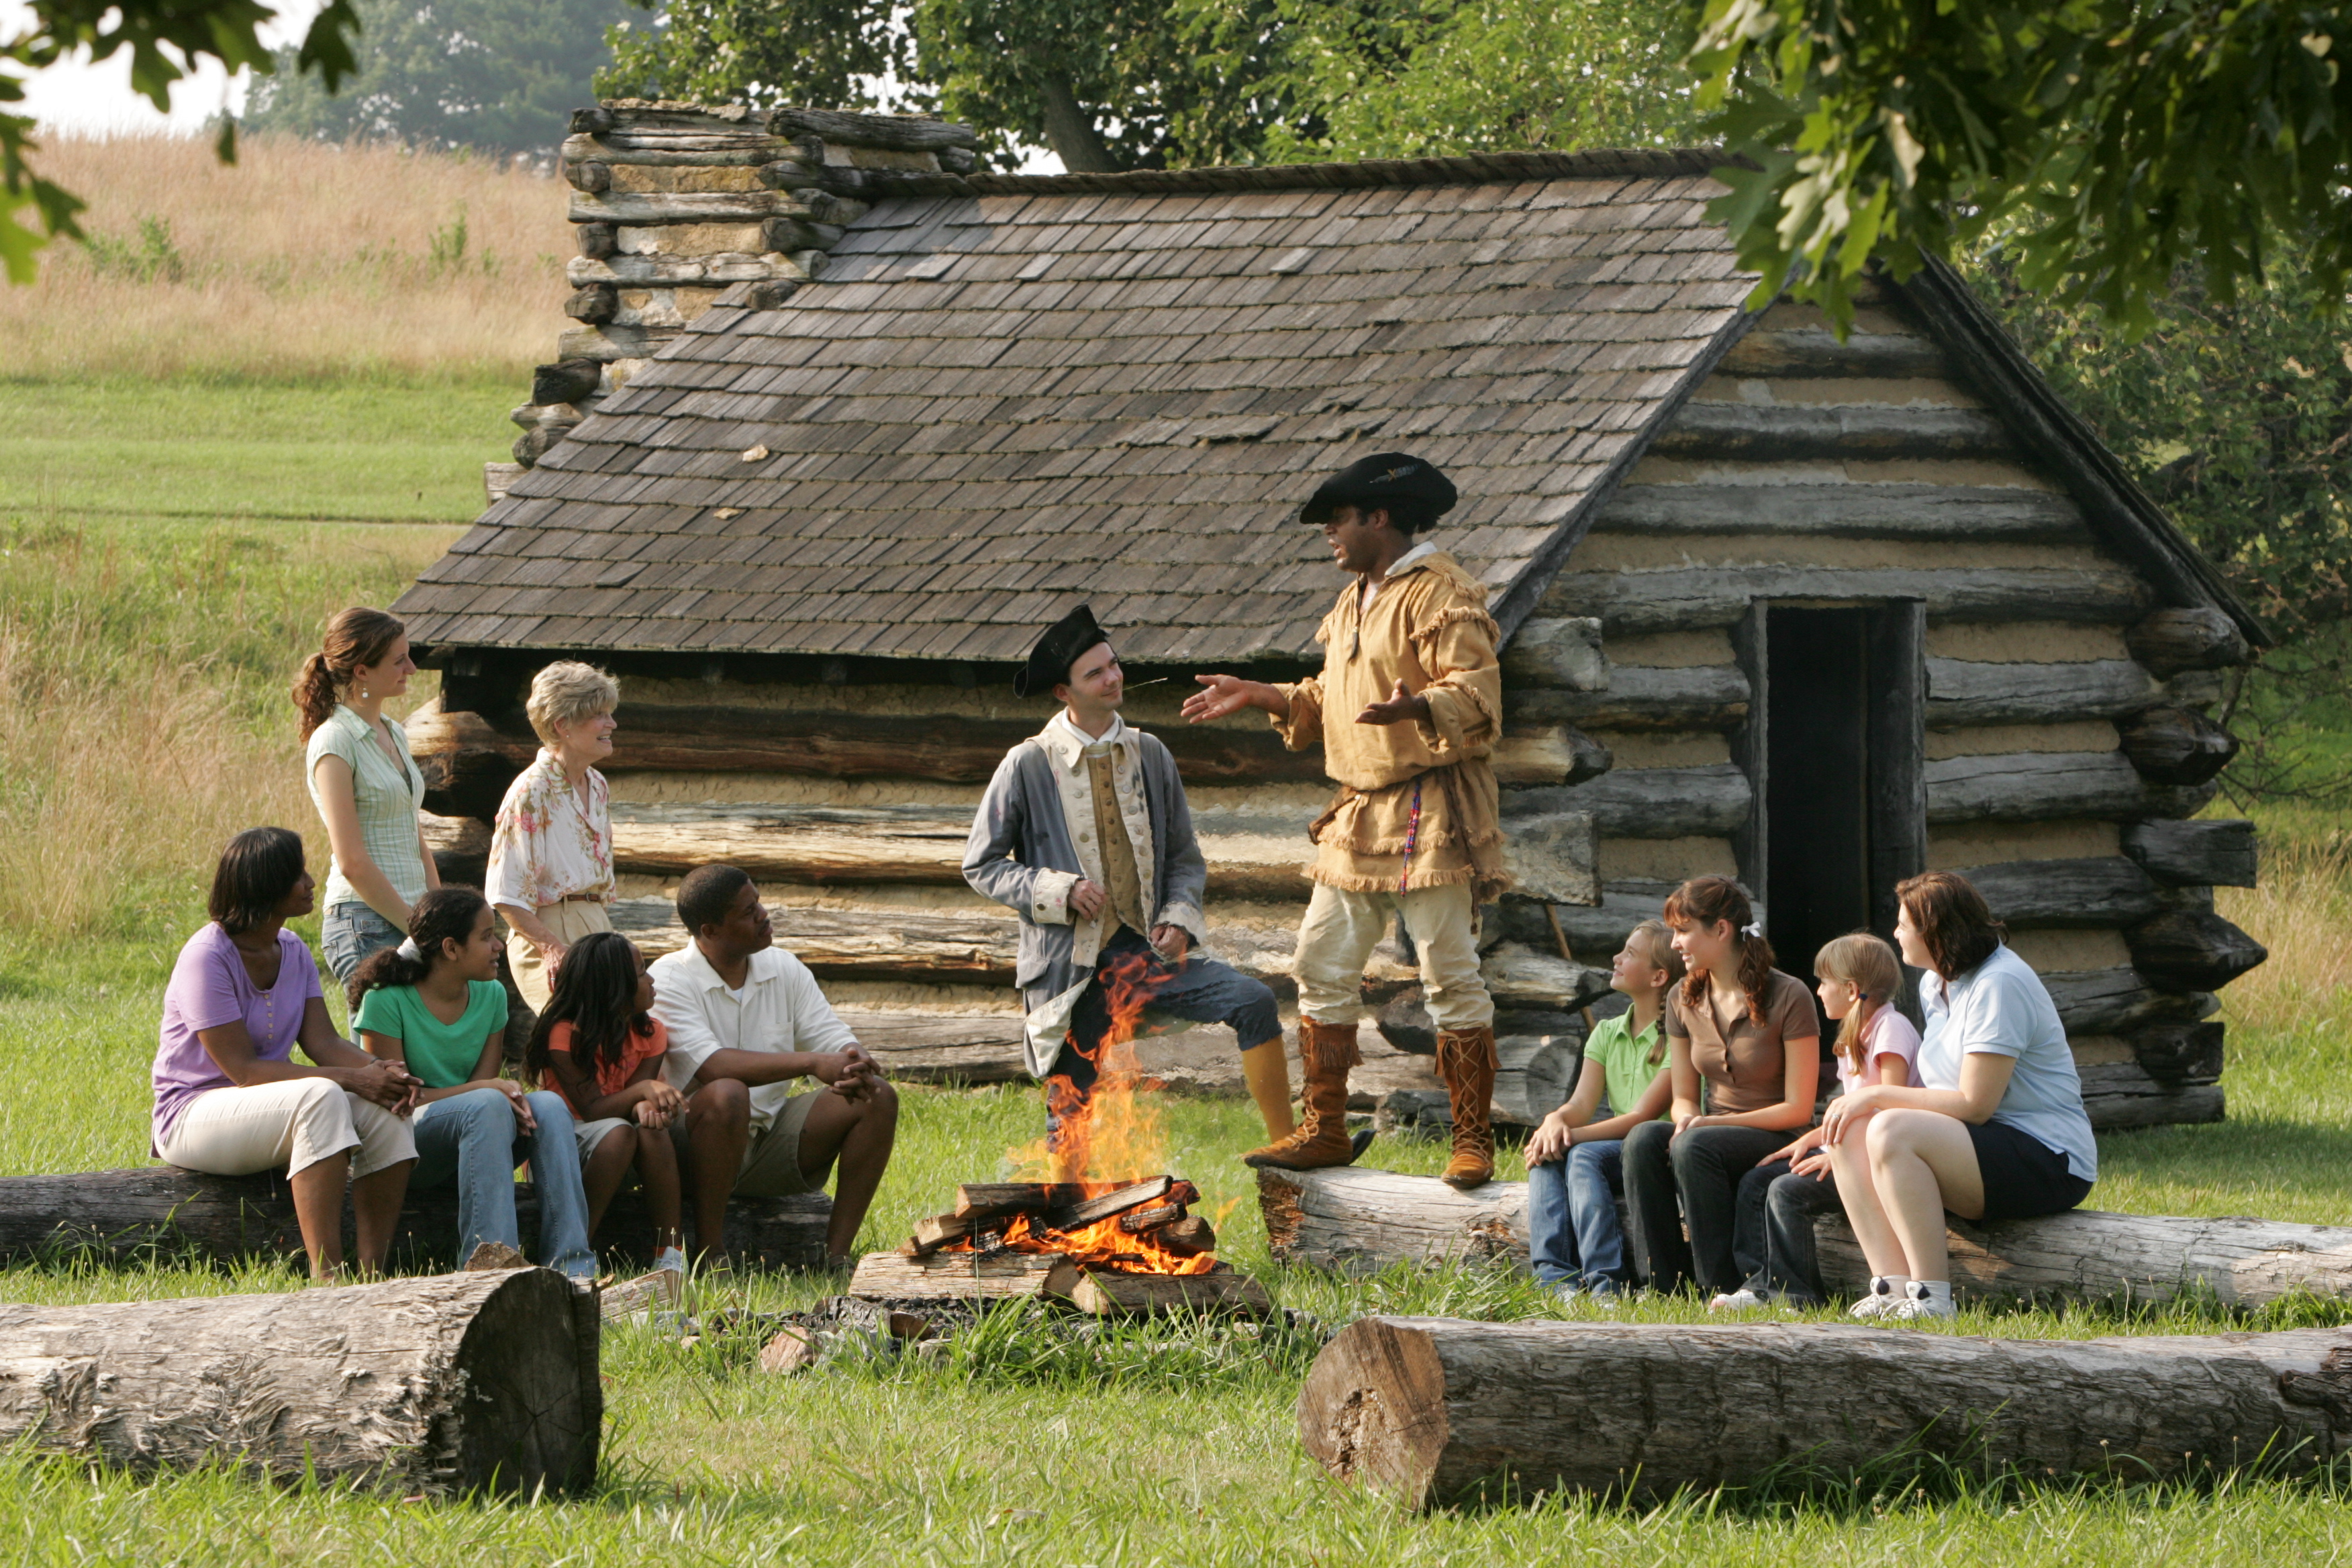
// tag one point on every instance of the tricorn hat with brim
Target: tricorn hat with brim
(1050, 661)
(1409, 486)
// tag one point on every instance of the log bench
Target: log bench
(1358, 1221)
(431, 1387)
(1430, 1409)
(162, 1208)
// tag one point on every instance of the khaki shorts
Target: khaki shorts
(772, 1164)
(588, 1134)
(570, 919)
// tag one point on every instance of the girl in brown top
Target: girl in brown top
(1745, 1035)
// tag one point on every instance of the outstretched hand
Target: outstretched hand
(1398, 706)
(1221, 694)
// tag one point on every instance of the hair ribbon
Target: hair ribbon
(1752, 929)
(410, 951)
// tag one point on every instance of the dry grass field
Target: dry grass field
(301, 262)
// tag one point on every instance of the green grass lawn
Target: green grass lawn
(142, 529)
(390, 452)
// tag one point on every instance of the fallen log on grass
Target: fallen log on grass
(1434, 1408)
(162, 1208)
(436, 1387)
(1359, 1221)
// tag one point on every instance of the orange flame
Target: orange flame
(1104, 1140)
(1104, 1245)
(1103, 1135)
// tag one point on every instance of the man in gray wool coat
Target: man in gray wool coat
(1084, 831)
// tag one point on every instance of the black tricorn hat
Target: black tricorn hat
(1050, 661)
(1410, 487)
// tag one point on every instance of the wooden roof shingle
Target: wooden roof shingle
(1011, 393)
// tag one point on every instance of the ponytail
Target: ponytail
(1868, 964)
(357, 637)
(1703, 900)
(445, 914)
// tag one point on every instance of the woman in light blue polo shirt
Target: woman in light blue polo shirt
(1996, 1128)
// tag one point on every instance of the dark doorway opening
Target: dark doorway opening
(1817, 780)
(1834, 749)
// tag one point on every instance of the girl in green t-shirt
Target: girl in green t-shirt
(434, 1004)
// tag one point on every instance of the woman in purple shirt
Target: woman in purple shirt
(229, 1098)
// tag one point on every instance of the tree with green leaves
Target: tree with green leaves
(2109, 142)
(498, 76)
(165, 40)
(1403, 79)
(1107, 84)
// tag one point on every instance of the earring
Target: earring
(363, 692)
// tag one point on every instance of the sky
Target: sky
(78, 97)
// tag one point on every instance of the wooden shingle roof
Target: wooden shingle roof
(1007, 394)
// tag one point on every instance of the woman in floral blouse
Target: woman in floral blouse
(551, 857)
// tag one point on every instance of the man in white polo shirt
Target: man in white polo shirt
(777, 1086)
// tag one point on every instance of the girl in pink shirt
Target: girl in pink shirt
(1860, 978)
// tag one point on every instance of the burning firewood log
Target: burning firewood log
(1051, 1238)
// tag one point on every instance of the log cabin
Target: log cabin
(1816, 613)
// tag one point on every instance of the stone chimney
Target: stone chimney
(674, 203)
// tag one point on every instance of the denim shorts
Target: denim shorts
(350, 932)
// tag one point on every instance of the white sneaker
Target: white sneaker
(1886, 1293)
(1740, 1300)
(1927, 1299)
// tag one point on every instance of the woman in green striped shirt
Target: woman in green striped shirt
(365, 784)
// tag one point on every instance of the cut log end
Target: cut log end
(1373, 1408)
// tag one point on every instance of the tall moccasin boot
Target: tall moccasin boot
(1326, 1052)
(1467, 1062)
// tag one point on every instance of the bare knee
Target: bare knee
(881, 1106)
(1896, 1132)
(723, 1103)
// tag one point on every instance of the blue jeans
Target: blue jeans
(1572, 1230)
(350, 932)
(1202, 992)
(1774, 1243)
(472, 1139)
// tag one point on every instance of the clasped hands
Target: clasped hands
(385, 1083)
(851, 1074)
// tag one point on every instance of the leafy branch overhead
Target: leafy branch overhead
(166, 39)
(2114, 140)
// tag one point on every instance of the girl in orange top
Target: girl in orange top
(600, 1046)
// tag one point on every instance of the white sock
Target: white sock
(671, 1260)
(1896, 1285)
(1938, 1291)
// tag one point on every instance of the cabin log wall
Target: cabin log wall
(1811, 472)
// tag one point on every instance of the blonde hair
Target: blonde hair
(1658, 941)
(1868, 964)
(567, 693)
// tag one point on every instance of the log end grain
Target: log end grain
(531, 1418)
(1374, 1409)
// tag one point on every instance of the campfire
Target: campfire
(1107, 1243)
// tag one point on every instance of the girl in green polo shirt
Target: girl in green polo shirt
(1574, 1161)
(434, 1004)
